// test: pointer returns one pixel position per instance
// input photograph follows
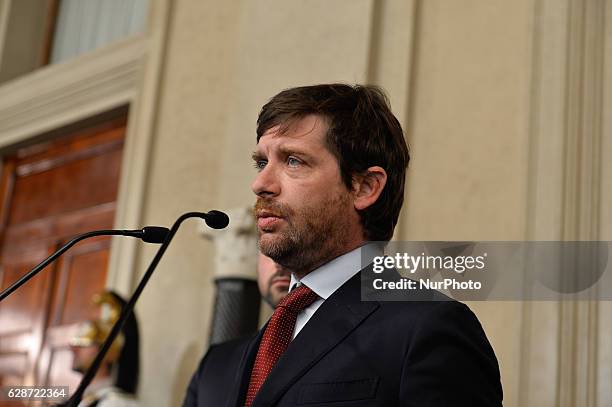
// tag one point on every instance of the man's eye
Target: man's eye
(260, 164)
(293, 162)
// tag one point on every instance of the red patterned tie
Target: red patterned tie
(277, 336)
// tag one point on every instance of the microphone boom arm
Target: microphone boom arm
(26, 277)
(127, 310)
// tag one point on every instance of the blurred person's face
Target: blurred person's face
(305, 213)
(273, 280)
(83, 357)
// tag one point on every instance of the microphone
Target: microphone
(149, 234)
(215, 220)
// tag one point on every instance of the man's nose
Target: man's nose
(266, 182)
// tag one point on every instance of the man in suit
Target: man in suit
(273, 283)
(331, 163)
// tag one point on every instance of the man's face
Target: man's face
(83, 357)
(305, 214)
(273, 280)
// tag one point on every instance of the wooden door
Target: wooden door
(51, 192)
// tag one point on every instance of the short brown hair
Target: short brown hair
(363, 132)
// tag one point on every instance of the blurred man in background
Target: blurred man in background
(273, 280)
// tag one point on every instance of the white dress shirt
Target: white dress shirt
(325, 280)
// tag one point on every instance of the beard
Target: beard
(309, 236)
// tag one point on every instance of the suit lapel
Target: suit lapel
(338, 316)
(243, 372)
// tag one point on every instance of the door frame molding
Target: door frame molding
(126, 73)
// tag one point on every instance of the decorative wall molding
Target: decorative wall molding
(64, 93)
(393, 54)
(559, 341)
(236, 249)
(141, 130)
(5, 8)
(583, 136)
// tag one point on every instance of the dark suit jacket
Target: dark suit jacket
(358, 353)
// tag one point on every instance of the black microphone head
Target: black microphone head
(216, 219)
(154, 234)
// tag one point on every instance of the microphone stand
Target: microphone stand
(151, 234)
(127, 310)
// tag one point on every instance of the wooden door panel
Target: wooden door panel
(14, 368)
(23, 316)
(85, 273)
(86, 142)
(60, 373)
(83, 181)
(81, 275)
(44, 233)
(51, 192)
(19, 313)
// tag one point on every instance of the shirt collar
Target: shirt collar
(326, 279)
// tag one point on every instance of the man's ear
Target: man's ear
(367, 187)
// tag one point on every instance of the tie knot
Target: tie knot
(298, 299)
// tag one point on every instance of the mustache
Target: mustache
(268, 205)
